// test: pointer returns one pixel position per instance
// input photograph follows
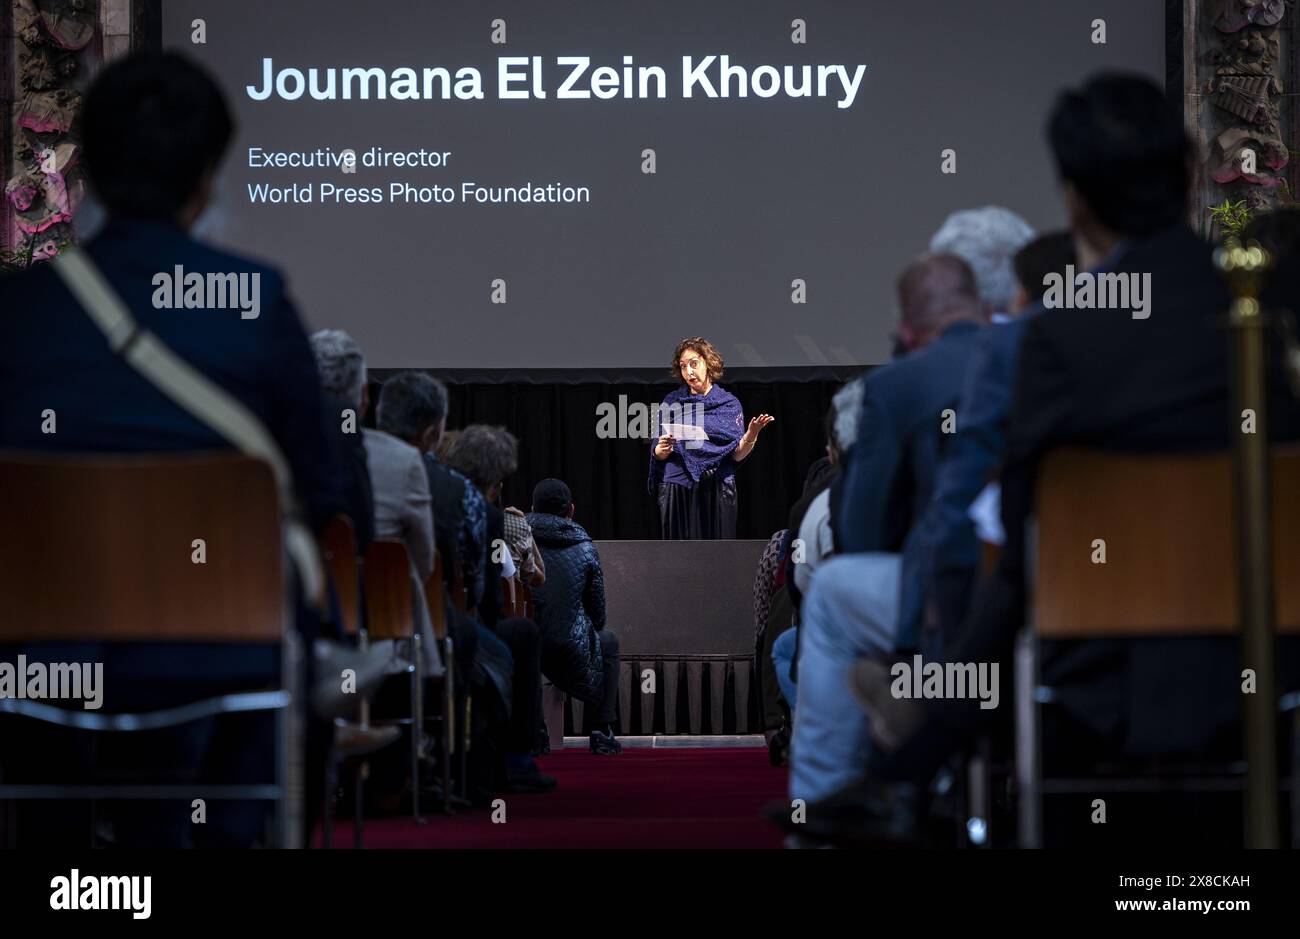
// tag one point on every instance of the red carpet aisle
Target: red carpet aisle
(644, 798)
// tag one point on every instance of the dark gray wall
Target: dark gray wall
(749, 194)
(658, 603)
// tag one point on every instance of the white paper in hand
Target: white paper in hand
(691, 436)
(685, 431)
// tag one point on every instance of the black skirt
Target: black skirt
(704, 511)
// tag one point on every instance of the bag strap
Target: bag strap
(187, 387)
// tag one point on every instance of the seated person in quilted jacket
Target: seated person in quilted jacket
(578, 653)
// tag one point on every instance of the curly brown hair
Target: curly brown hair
(702, 347)
(485, 455)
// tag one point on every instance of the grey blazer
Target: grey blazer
(404, 512)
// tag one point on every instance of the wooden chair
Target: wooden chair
(1169, 526)
(508, 597)
(105, 549)
(435, 598)
(339, 549)
(435, 595)
(390, 609)
(524, 602)
(456, 716)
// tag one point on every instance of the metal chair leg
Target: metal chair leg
(1029, 805)
(466, 717)
(417, 727)
(448, 720)
(1295, 777)
(979, 822)
(457, 743)
(327, 810)
(289, 808)
(358, 814)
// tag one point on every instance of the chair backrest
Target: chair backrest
(158, 547)
(990, 555)
(390, 604)
(1168, 524)
(339, 547)
(435, 598)
(508, 597)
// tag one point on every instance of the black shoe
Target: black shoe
(524, 783)
(525, 777)
(868, 813)
(431, 794)
(604, 744)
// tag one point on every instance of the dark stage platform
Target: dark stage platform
(685, 611)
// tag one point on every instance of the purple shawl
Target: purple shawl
(724, 422)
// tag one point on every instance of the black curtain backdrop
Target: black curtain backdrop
(554, 415)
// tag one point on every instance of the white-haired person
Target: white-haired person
(987, 239)
(343, 381)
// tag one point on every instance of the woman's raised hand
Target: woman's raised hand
(757, 424)
(664, 446)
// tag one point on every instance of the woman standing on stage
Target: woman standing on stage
(695, 479)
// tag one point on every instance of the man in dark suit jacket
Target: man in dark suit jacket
(350, 457)
(888, 475)
(413, 408)
(345, 395)
(1122, 378)
(55, 358)
(155, 127)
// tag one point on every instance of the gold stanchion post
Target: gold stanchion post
(1244, 269)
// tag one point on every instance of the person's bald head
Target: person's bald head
(935, 291)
